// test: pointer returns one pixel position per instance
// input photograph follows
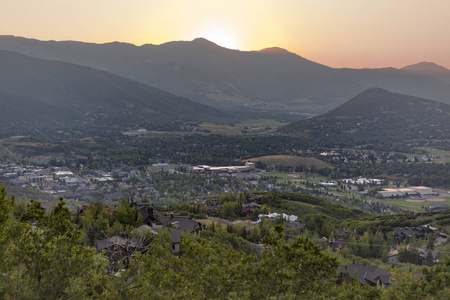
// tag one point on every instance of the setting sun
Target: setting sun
(221, 38)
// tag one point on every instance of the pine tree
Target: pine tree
(91, 235)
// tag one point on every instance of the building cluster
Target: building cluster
(365, 275)
(363, 181)
(121, 248)
(414, 191)
(248, 167)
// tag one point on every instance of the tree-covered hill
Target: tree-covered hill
(376, 115)
(44, 93)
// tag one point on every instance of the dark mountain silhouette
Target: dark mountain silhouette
(272, 79)
(378, 114)
(36, 91)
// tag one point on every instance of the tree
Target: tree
(409, 255)
(227, 211)
(127, 215)
(91, 235)
(284, 271)
(46, 258)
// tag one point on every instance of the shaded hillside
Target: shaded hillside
(376, 115)
(46, 93)
(271, 80)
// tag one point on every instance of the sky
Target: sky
(337, 33)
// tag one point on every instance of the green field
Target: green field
(291, 161)
(443, 156)
(295, 178)
(249, 126)
(413, 206)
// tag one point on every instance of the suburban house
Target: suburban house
(340, 239)
(370, 275)
(182, 223)
(120, 249)
(420, 232)
(423, 230)
(401, 234)
(146, 212)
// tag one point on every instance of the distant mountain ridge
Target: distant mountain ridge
(272, 79)
(430, 69)
(42, 92)
(378, 114)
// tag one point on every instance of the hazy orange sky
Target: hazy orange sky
(337, 33)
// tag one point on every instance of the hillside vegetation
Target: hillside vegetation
(48, 94)
(376, 115)
(291, 161)
(303, 206)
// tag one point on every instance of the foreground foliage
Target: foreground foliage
(42, 256)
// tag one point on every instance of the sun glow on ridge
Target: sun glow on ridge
(221, 38)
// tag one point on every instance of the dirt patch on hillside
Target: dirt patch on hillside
(436, 200)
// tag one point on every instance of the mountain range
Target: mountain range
(375, 115)
(270, 80)
(49, 93)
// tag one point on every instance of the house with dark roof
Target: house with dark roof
(366, 275)
(423, 230)
(420, 232)
(401, 234)
(182, 223)
(146, 212)
(120, 249)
